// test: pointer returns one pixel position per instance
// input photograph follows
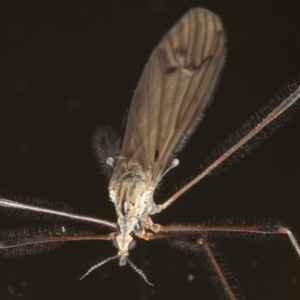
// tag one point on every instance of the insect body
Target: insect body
(175, 88)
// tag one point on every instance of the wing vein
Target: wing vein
(175, 88)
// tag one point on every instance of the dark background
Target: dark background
(69, 66)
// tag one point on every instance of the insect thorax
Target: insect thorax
(132, 194)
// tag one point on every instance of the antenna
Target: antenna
(139, 271)
(96, 266)
(132, 265)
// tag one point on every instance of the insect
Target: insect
(175, 88)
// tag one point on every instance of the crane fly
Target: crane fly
(175, 88)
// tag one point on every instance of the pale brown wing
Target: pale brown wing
(175, 87)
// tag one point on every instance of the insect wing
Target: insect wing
(175, 87)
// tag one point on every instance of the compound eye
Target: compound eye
(132, 245)
(115, 243)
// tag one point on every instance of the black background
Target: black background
(69, 66)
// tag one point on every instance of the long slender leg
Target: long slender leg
(5, 244)
(42, 210)
(201, 245)
(253, 229)
(216, 267)
(273, 115)
(285, 230)
(181, 232)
